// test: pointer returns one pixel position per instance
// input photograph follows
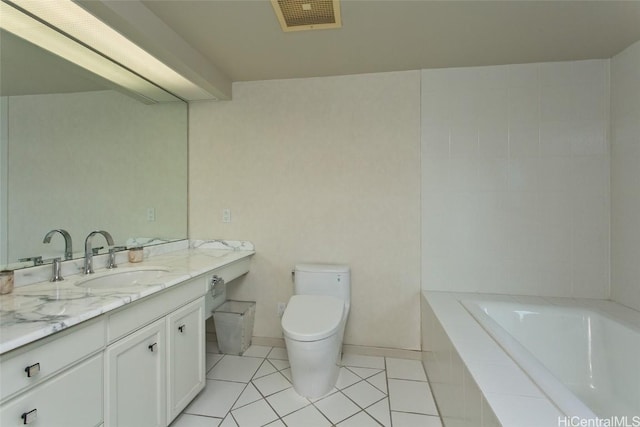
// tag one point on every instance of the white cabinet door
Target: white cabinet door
(72, 398)
(186, 356)
(135, 387)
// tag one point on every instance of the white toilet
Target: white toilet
(313, 326)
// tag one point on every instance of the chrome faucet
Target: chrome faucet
(68, 249)
(88, 253)
(56, 271)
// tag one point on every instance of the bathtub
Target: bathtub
(587, 363)
(500, 360)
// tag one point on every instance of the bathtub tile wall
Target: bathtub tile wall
(515, 179)
(625, 161)
(467, 369)
(458, 397)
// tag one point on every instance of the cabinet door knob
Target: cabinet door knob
(182, 328)
(153, 347)
(29, 417)
(32, 370)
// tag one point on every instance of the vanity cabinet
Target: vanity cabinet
(153, 372)
(71, 399)
(138, 365)
(135, 387)
(57, 381)
(185, 356)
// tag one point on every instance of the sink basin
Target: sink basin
(123, 277)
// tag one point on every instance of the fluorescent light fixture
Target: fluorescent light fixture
(67, 18)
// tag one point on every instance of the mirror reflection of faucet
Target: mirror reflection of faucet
(37, 260)
(68, 247)
(88, 252)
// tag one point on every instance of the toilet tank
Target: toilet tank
(323, 279)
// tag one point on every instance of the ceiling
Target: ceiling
(243, 38)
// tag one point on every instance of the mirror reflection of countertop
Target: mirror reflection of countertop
(37, 310)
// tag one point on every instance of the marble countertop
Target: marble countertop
(36, 310)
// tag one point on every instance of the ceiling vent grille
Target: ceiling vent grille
(299, 15)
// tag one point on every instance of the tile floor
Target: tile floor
(255, 390)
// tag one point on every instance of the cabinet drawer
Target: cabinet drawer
(133, 316)
(71, 399)
(25, 367)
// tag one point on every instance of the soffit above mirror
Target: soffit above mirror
(66, 29)
(30, 70)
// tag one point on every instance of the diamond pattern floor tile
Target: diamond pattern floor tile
(346, 378)
(403, 419)
(361, 419)
(364, 394)
(306, 417)
(216, 399)
(278, 353)
(380, 411)
(265, 369)
(271, 383)
(287, 401)
(249, 395)
(279, 364)
(186, 420)
(411, 396)
(235, 368)
(379, 381)
(405, 369)
(255, 389)
(257, 351)
(337, 407)
(363, 361)
(364, 373)
(228, 422)
(255, 414)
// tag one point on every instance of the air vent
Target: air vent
(299, 15)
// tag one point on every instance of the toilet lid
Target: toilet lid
(312, 317)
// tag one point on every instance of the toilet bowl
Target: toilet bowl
(313, 327)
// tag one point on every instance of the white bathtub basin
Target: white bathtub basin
(585, 362)
(123, 277)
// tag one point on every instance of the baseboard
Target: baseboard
(268, 341)
(350, 349)
(382, 352)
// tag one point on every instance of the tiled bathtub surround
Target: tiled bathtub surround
(625, 176)
(515, 179)
(475, 383)
(255, 390)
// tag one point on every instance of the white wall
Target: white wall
(318, 170)
(625, 177)
(515, 179)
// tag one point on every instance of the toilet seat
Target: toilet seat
(312, 317)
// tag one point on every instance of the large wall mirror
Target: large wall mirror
(79, 154)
